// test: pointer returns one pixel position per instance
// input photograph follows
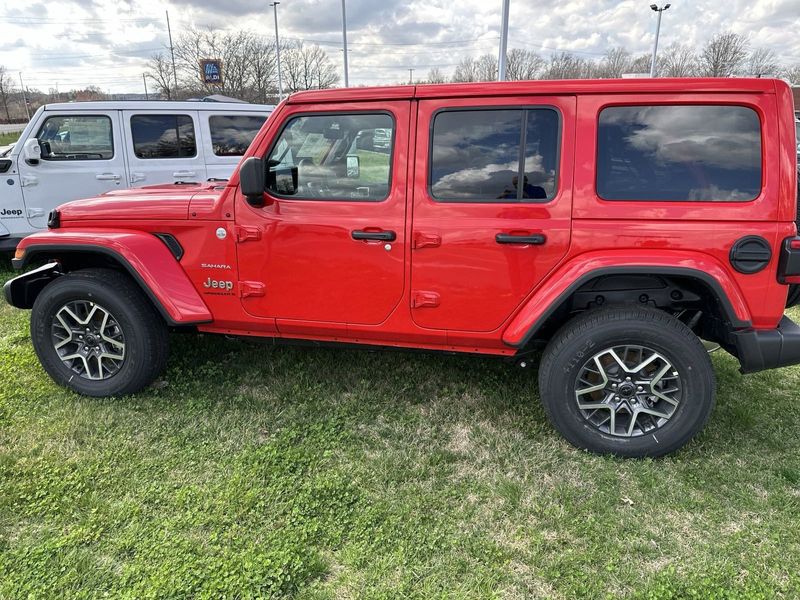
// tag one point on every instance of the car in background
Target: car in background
(78, 150)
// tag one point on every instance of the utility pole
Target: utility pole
(274, 5)
(411, 77)
(24, 97)
(501, 62)
(658, 30)
(172, 53)
(144, 79)
(344, 42)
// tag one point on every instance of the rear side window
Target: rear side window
(163, 136)
(679, 153)
(76, 138)
(504, 155)
(232, 135)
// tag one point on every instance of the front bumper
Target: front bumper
(759, 350)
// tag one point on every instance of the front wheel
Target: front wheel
(95, 333)
(627, 381)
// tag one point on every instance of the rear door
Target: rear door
(82, 156)
(162, 147)
(226, 137)
(492, 203)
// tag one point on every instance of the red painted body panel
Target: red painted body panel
(295, 272)
(149, 258)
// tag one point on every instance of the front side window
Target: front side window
(232, 135)
(504, 155)
(679, 153)
(76, 138)
(163, 136)
(333, 157)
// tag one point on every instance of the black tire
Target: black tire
(571, 353)
(142, 333)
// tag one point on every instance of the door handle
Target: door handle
(107, 177)
(184, 174)
(534, 239)
(136, 177)
(378, 236)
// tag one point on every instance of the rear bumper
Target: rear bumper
(758, 350)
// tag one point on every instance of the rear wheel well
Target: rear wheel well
(690, 299)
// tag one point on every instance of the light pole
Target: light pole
(344, 42)
(274, 5)
(501, 61)
(658, 30)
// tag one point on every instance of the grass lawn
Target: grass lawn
(8, 138)
(252, 471)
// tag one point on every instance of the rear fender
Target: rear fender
(142, 255)
(562, 283)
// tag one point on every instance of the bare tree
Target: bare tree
(616, 62)
(159, 69)
(792, 74)
(523, 65)
(763, 63)
(308, 68)
(6, 89)
(435, 76)
(641, 63)
(566, 65)
(486, 68)
(724, 55)
(466, 71)
(677, 60)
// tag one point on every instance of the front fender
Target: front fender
(145, 257)
(559, 286)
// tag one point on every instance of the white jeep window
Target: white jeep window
(333, 157)
(76, 137)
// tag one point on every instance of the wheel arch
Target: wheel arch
(531, 325)
(145, 259)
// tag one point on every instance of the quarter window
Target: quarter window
(163, 136)
(679, 153)
(76, 138)
(232, 135)
(333, 157)
(504, 155)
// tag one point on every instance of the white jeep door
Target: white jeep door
(82, 156)
(226, 137)
(162, 147)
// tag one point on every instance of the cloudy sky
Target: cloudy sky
(77, 43)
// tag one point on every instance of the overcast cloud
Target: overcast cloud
(107, 42)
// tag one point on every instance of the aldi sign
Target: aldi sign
(211, 71)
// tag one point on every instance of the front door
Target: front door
(492, 202)
(328, 247)
(163, 147)
(82, 156)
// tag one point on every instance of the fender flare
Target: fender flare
(146, 258)
(547, 299)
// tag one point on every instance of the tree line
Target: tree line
(727, 54)
(249, 68)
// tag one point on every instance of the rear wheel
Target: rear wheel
(627, 381)
(95, 333)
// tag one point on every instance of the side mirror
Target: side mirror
(32, 151)
(252, 179)
(353, 166)
(282, 181)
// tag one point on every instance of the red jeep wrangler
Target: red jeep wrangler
(612, 224)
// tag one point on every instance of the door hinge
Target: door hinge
(426, 240)
(247, 234)
(248, 289)
(424, 299)
(28, 181)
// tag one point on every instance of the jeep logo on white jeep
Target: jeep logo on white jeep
(220, 284)
(14, 213)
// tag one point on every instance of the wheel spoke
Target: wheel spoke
(91, 346)
(636, 398)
